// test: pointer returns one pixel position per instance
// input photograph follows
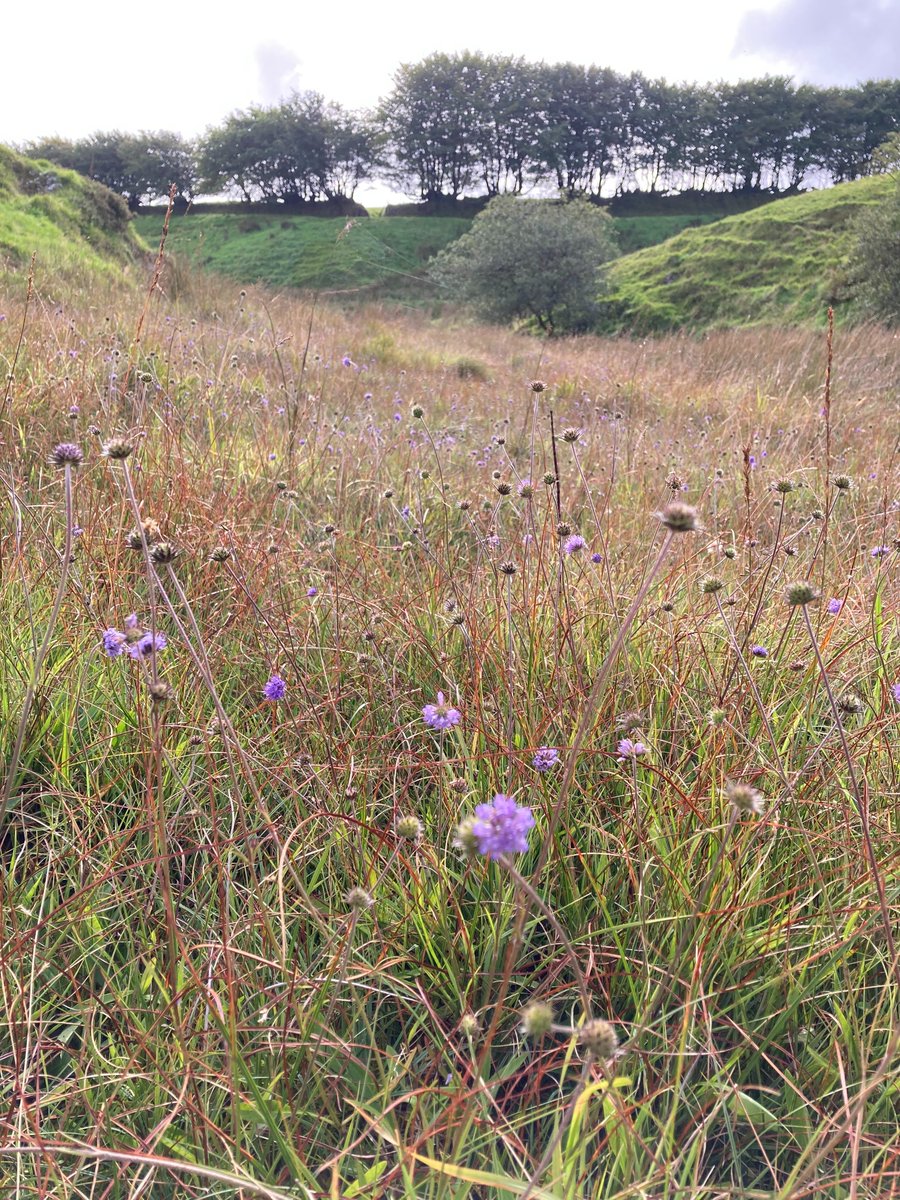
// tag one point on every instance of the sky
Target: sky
(186, 67)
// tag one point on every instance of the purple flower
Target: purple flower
(440, 715)
(835, 606)
(145, 645)
(131, 621)
(312, 591)
(880, 551)
(274, 688)
(759, 652)
(629, 749)
(751, 461)
(574, 543)
(596, 558)
(545, 757)
(113, 642)
(895, 691)
(347, 361)
(502, 827)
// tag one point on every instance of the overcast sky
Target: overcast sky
(67, 71)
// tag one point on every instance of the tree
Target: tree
(875, 257)
(538, 260)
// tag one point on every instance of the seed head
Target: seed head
(417, 411)
(358, 899)
(507, 568)
(716, 717)
(537, 1020)
(679, 517)
(598, 1039)
(409, 828)
(526, 490)
(800, 593)
(743, 797)
(571, 435)
(465, 840)
(843, 483)
(160, 692)
(710, 585)
(537, 385)
(504, 488)
(563, 529)
(730, 552)
(163, 553)
(851, 704)
(220, 554)
(66, 454)
(785, 486)
(118, 449)
(469, 1026)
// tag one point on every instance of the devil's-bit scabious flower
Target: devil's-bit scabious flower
(743, 797)
(274, 688)
(440, 715)
(545, 758)
(66, 454)
(113, 642)
(895, 691)
(759, 652)
(800, 593)
(880, 551)
(502, 827)
(629, 749)
(312, 592)
(145, 645)
(835, 606)
(573, 544)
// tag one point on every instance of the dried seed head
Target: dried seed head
(537, 385)
(743, 797)
(563, 529)
(459, 786)
(526, 490)
(504, 488)
(716, 717)
(66, 454)
(571, 435)
(358, 899)
(160, 692)
(537, 1020)
(710, 585)
(679, 517)
(800, 593)
(465, 840)
(850, 703)
(118, 449)
(843, 483)
(507, 568)
(163, 553)
(417, 411)
(220, 554)
(598, 1039)
(549, 478)
(785, 486)
(469, 1026)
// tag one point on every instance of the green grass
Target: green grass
(366, 256)
(75, 228)
(784, 262)
(636, 233)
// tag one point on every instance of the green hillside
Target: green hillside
(383, 255)
(77, 228)
(784, 262)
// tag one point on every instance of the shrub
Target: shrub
(535, 260)
(875, 258)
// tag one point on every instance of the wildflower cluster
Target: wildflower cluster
(134, 640)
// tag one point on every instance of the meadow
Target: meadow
(288, 592)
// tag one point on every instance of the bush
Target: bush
(535, 260)
(875, 259)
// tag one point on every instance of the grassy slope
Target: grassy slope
(784, 261)
(387, 253)
(383, 253)
(77, 228)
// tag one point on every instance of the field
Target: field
(342, 576)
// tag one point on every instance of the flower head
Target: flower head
(574, 543)
(895, 691)
(679, 517)
(145, 645)
(743, 797)
(629, 749)
(759, 651)
(66, 454)
(545, 757)
(113, 642)
(274, 688)
(502, 827)
(835, 606)
(440, 715)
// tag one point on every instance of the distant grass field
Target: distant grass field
(784, 262)
(383, 256)
(367, 255)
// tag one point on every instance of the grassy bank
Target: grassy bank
(784, 262)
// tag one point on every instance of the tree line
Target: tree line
(471, 124)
